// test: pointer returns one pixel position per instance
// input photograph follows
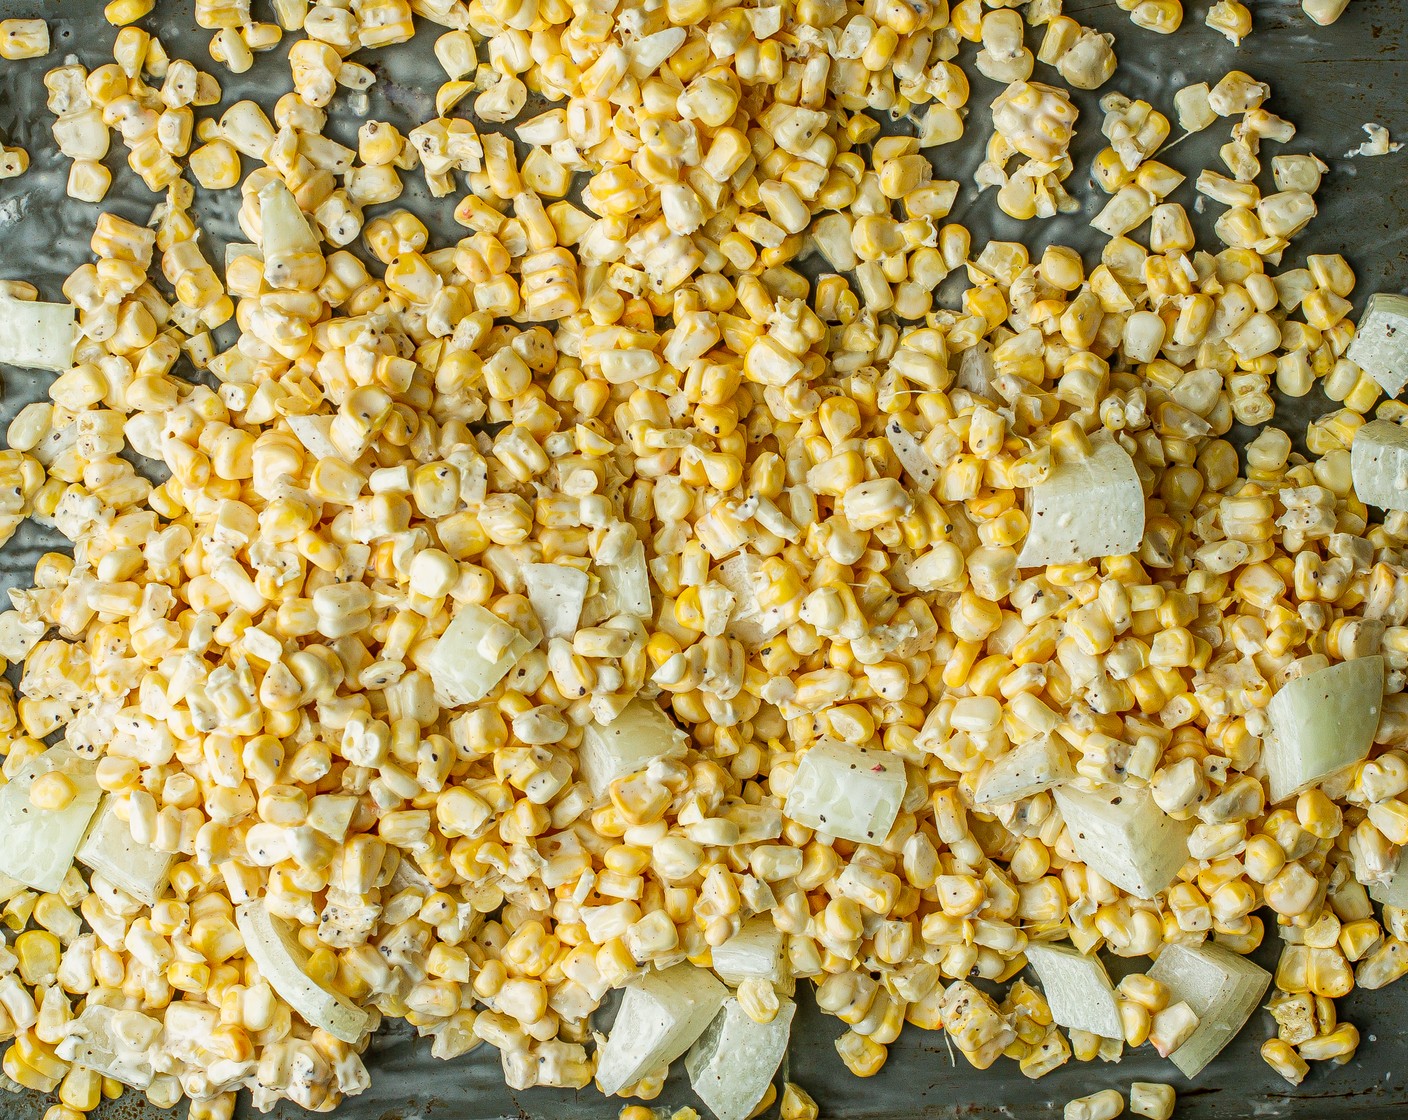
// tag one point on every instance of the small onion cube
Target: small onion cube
(1086, 508)
(1222, 988)
(1120, 833)
(733, 1063)
(661, 1015)
(1380, 346)
(1322, 723)
(1077, 989)
(847, 791)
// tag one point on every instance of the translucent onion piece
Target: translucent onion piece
(1380, 346)
(1077, 989)
(733, 1063)
(92, 1042)
(755, 952)
(1394, 890)
(661, 1015)
(557, 593)
(1026, 770)
(37, 335)
(283, 962)
(1086, 508)
(626, 585)
(847, 791)
(38, 844)
(628, 744)
(1322, 723)
(139, 869)
(1221, 987)
(1123, 835)
(460, 672)
(1378, 463)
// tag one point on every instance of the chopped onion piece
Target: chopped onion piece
(660, 1016)
(916, 462)
(733, 1063)
(1393, 890)
(1380, 346)
(1322, 723)
(38, 844)
(628, 744)
(749, 622)
(847, 791)
(557, 593)
(1378, 463)
(1086, 508)
(1222, 989)
(1123, 835)
(458, 665)
(626, 586)
(1024, 771)
(37, 335)
(93, 1041)
(1077, 989)
(138, 869)
(755, 952)
(283, 962)
(314, 432)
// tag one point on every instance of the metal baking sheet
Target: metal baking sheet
(1329, 81)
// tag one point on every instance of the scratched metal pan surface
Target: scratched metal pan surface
(1329, 81)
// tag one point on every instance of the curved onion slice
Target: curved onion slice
(1077, 989)
(1322, 723)
(1123, 835)
(283, 962)
(1222, 989)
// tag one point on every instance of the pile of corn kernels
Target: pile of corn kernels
(680, 425)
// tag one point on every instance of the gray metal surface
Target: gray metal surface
(1329, 81)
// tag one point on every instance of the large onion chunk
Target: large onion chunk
(140, 870)
(1378, 463)
(557, 593)
(1087, 507)
(1221, 987)
(661, 1015)
(37, 335)
(1119, 832)
(1380, 346)
(733, 1063)
(475, 652)
(628, 744)
(756, 952)
(1077, 989)
(38, 844)
(847, 791)
(1322, 723)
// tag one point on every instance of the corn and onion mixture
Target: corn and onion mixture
(659, 589)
